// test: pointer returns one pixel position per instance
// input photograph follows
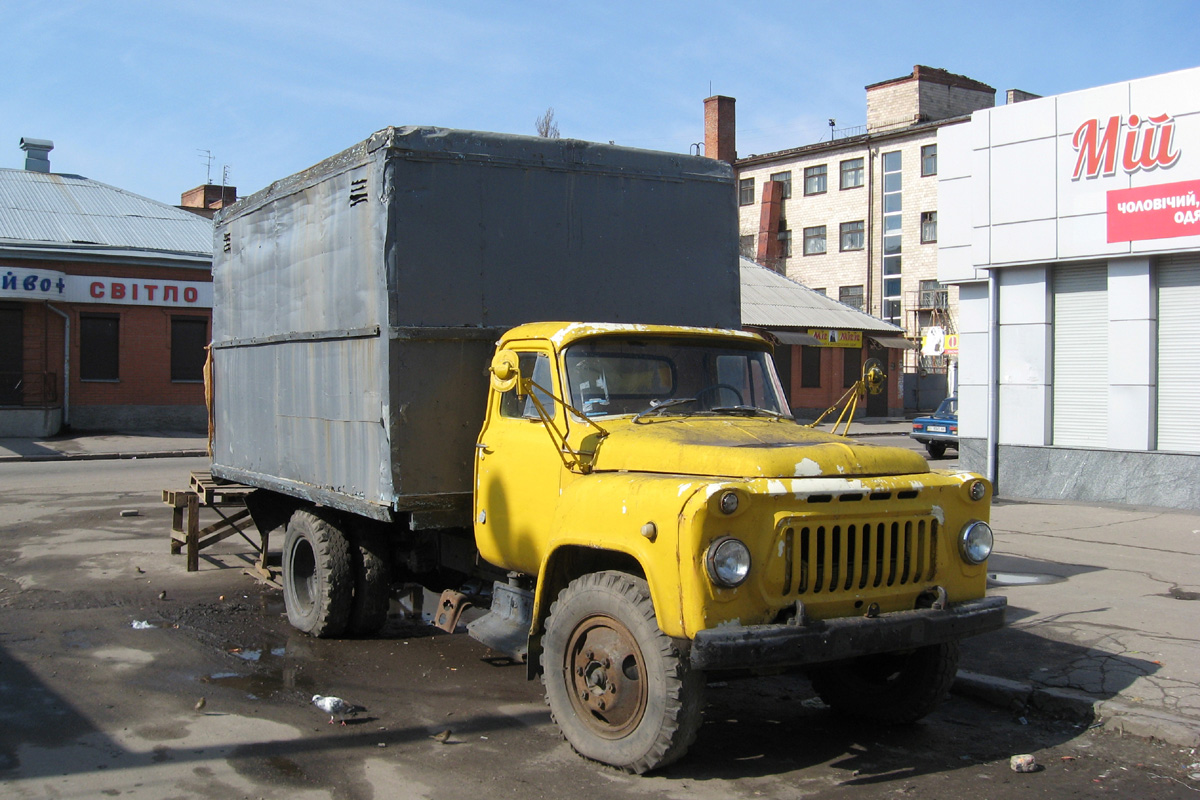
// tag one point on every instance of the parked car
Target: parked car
(940, 429)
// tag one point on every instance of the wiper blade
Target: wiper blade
(748, 410)
(658, 408)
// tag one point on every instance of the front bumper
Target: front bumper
(771, 646)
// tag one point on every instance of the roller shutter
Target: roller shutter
(1080, 369)
(1179, 353)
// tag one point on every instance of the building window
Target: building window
(820, 292)
(929, 160)
(810, 367)
(189, 337)
(746, 246)
(933, 295)
(785, 240)
(99, 347)
(746, 192)
(851, 296)
(852, 173)
(928, 227)
(786, 179)
(814, 180)
(892, 204)
(852, 235)
(814, 240)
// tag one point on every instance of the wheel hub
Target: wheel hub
(607, 677)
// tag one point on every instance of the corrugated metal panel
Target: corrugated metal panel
(401, 259)
(1178, 352)
(1080, 388)
(68, 210)
(771, 300)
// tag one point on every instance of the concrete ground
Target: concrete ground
(1101, 624)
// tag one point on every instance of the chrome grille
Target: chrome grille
(821, 559)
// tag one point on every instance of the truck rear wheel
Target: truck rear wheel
(619, 689)
(893, 688)
(318, 582)
(372, 584)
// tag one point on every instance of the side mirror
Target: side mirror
(505, 370)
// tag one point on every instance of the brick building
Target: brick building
(105, 305)
(856, 217)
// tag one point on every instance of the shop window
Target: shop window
(810, 367)
(99, 347)
(746, 192)
(189, 336)
(814, 179)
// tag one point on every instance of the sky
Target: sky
(139, 95)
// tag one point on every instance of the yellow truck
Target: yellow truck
(635, 488)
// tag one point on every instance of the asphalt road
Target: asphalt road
(101, 675)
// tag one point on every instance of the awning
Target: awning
(795, 337)
(897, 342)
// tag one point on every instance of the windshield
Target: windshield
(948, 407)
(617, 375)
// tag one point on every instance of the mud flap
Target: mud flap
(506, 627)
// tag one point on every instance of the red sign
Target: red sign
(1146, 145)
(1154, 212)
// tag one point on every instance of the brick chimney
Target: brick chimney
(206, 200)
(720, 129)
(37, 154)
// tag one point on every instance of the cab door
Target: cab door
(518, 469)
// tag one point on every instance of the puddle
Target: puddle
(1021, 579)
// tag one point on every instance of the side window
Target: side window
(521, 406)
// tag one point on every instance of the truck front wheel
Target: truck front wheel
(618, 687)
(892, 688)
(318, 581)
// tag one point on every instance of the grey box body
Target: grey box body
(357, 303)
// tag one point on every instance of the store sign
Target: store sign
(1154, 212)
(41, 284)
(834, 338)
(1146, 144)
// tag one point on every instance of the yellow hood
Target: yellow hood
(737, 447)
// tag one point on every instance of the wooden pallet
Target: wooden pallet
(223, 499)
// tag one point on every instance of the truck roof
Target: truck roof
(562, 334)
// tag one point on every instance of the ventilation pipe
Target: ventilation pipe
(37, 154)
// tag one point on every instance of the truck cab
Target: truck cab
(672, 518)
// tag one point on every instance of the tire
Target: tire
(936, 449)
(605, 619)
(372, 584)
(318, 582)
(892, 688)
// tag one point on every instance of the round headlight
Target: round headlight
(728, 562)
(977, 490)
(975, 543)
(729, 502)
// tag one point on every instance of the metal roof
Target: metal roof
(770, 300)
(69, 217)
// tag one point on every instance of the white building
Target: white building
(856, 217)
(1071, 225)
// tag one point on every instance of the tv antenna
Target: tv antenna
(207, 157)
